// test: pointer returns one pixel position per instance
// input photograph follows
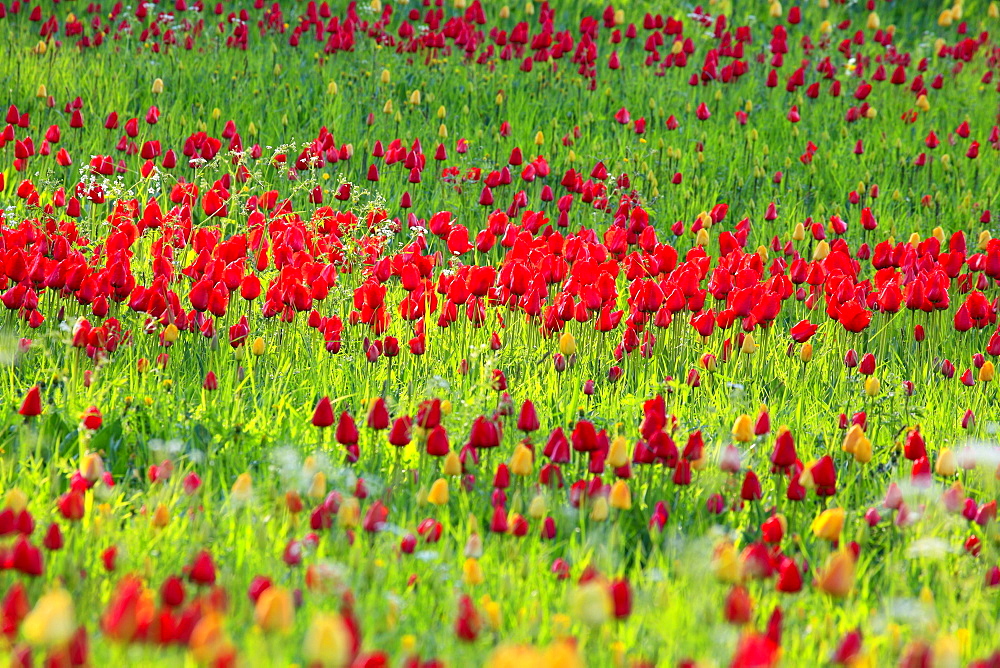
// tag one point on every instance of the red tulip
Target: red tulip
(738, 608)
(172, 592)
(621, 595)
(323, 413)
(378, 415)
(32, 404)
(347, 430)
(467, 623)
(202, 569)
(53, 540)
(750, 490)
(92, 419)
(527, 421)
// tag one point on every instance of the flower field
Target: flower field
(449, 333)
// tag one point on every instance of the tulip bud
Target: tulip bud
(567, 344)
(275, 610)
(317, 486)
(863, 450)
(242, 489)
(743, 429)
(837, 578)
(828, 524)
(91, 467)
(452, 464)
(51, 622)
(946, 464)
(349, 513)
(474, 546)
(327, 642)
(618, 452)
(591, 603)
(537, 508)
(851, 439)
(16, 500)
(257, 347)
(472, 573)
(439, 492)
(522, 460)
(161, 517)
(599, 511)
(621, 497)
(725, 562)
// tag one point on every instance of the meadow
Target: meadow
(451, 333)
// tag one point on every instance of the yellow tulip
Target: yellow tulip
(521, 461)
(439, 492)
(725, 562)
(837, 578)
(51, 621)
(491, 610)
(946, 464)
(472, 573)
(567, 344)
(537, 508)
(257, 347)
(16, 500)
(854, 434)
(208, 639)
(591, 603)
(275, 610)
(349, 513)
(161, 517)
(987, 371)
(863, 450)
(621, 497)
(618, 452)
(91, 467)
(821, 251)
(599, 511)
(452, 464)
(317, 487)
(327, 642)
(829, 524)
(743, 429)
(242, 488)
